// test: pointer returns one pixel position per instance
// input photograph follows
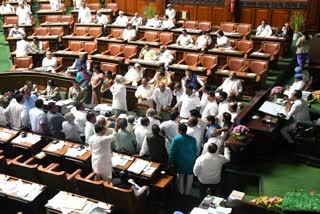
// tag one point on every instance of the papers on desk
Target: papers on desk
(74, 152)
(258, 53)
(198, 210)
(30, 138)
(5, 136)
(119, 161)
(138, 166)
(55, 147)
(102, 107)
(272, 109)
(251, 74)
(64, 102)
(224, 71)
(149, 170)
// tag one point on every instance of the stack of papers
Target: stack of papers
(5, 136)
(102, 107)
(73, 152)
(272, 108)
(55, 147)
(149, 170)
(30, 138)
(119, 161)
(64, 102)
(138, 166)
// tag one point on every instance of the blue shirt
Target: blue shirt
(30, 103)
(209, 129)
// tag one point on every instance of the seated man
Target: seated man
(77, 93)
(134, 74)
(121, 20)
(285, 31)
(24, 14)
(192, 79)
(232, 83)
(185, 39)
(52, 91)
(223, 41)
(6, 8)
(162, 76)
(204, 40)
(264, 30)
(144, 93)
(102, 19)
(33, 88)
(298, 84)
(16, 31)
(165, 56)
(78, 64)
(154, 22)
(49, 63)
(24, 48)
(84, 14)
(147, 53)
(170, 12)
(167, 23)
(136, 20)
(129, 33)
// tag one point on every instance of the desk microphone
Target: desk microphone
(131, 181)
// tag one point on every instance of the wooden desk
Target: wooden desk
(142, 29)
(223, 54)
(155, 65)
(181, 50)
(233, 35)
(28, 29)
(53, 41)
(66, 39)
(29, 201)
(7, 134)
(104, 41)
(67, 28)
(180, 69)
(30, 144)
(43, 13)
(68, 57)
(257, 41)
(117, 158)
(107, 58)
(74, 13)
(65, 199)
(141, 44)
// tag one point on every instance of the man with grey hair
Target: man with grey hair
(121, 20)
(151, 114)
(70, 129)
(119, 93)
(134, 74)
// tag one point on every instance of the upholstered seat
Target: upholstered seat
(129, 52)
(25, 169)
(260, 68)
(41, 31)
(80, 31)
(52, 18)
(190, 24)
(114, 7)
(244, 45)
(114, 49)
(115, 33)
(90, 48)
(67, 18)
(191, 59)
(74, 46)
(22, 63)
(205, 26)
(150, 36)
(106, 66)
(210, 62)
(93, 6)
(10, 20)
(95, 32)
(228, 27)
(271, 48)
(235, 64)
(57, 31)
(244, 29)
(89, 187)
(166, 38)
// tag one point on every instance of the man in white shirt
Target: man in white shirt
(77, 4)
(80, 118)
(204, 40)
(223, 105)
(6, 8)
(121, 20)
(38, 118)
(170, 12)
(297, 110)
(189, 101)
(231, 84)
(129, 33)
(222, 41)
(208, 167)
(170, 127)
(141, 130)
(17, 114)
(119, 93)
(49, 63)
(84, 14)
(147, 53)
(136, 20)
(185, 39)
(162, 97)
(16, 32)
(24, 14)
(100, 147)
(102, 19)
(134, 74)
(178, 91)
(89, 128)
(154, 22)
(167, 23)
(55, 5)
(195, 131)
(144, 93)
(298, 84)
(24, 48)
(211, 108)
(165, 56)
(264, 30)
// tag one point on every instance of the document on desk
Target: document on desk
(138, 166)
(55, 147)
(119, 161)
(271, 108)
(73, 152)
(5, 136)
(149, 170)
(30, 138)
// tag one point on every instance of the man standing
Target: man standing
(144, 93)
(77, 93)
(170, 12)
(17, 114)
(38, 119)
(80, 118)
(55, 120)
(24, 48)
(24, 14)
(162, 97)
(231, 84)
(29, 99)
(84, 14)
(125, 142)
(211, 108)
(89, 128)
(119, 93)
(183, 154)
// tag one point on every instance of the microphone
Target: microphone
(131, 181)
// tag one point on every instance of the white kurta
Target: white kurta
(119, 93)
(17, 32)
(55, 5)
(103, 19)
(122, 21)
(136, 21)
(224, 40)
(231, 85)
(51, 64)
(154, 22)
(145, 92)
(133, 75)
(264, 31)
(196, 132)
(17, 115)
(24, 48)
(6, 9)
(101, 155)
(24, 15)
(166, 57)
(211, 108)
(188, 103)
(167, 24)
(171, 13)
(128, 34)
(203, 42)
(84, 15)
(184, 40)
(162, 99)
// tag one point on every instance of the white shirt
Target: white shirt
(145, 92)
(231, 85)
(71, 131)
(216, 140)
(167, 24)
(204, 100)
(6, 9)
(55, 5)
(121, 20)
(222, 108)
(140, 133)
(170, 129)
(50, 63)
(184, 40)
(24, 15)
(133, 75)
(264, 31)
(89, 131)
(17, 115)
(188, 103)
(103, 19)
(77, 3)
(101, 154)
(208, 167)
(171, 13)
(154, 22)
(119, 93)
(37, 119)
(299, 110)
(211, 108)
(24, 48)
(136, 21)
(166, 57)
(196, 132)
(297, 85)
(224, 40)
(162, 99)
(84, 15)
(80, 119)
(3, 119)
(203, 42)
(17, 32)
(128, 34)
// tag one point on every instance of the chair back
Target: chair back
(256, 66)
(245, 45)
(80, 31)
(55, 181)
(45, 7)
(115, 48)
(94, 6)
(90, 46)
(56, 31)
(41, 31)
(66, 18)
(129, 50)
(23, 62)
(95, 31)
(191, 58)
(270, 47)
(75, 45)
(105, 66)
(151, 35)
(10, 20)
(116, 33)
(90, 188)
(45, 45)
(235, 64)
(208, 61)
(227, 26)
(166, 38)
(52, 18)
(205, 26)
(244, 28)
(190, 24)
(113, 6)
